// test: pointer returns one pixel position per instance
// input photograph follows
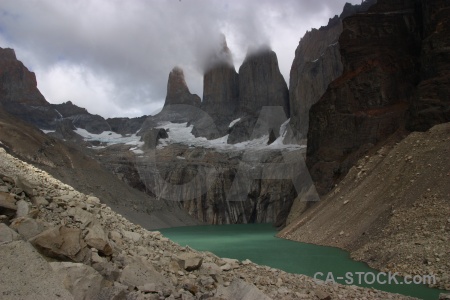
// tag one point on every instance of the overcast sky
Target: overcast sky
(114, 56)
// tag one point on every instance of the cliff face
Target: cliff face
(431, 103)
(384, 60)
(221, 95)
(19, 94)
(261, 83)
(316, 64)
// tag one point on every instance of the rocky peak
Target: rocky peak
(178, 91)
(220, 56)
(68, 109)
(17, 83)
(261, 83)
(221, 90)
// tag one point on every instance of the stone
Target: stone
(81, 215)
(82, 281)
(7, 235)
(7, 205)
(132, 236)
(39, 201)
(239, 289)
(25, 274)
(139, 272)
(98, 239)
(28, 227)
(189, 261)
(25, 185)
(210, 269)
(23, 208)
(62, 243)
(152, 136)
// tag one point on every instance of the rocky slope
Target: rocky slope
(316, 64)
(384, 60)
(391, 210)
(84, 250)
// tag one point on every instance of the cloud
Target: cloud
(113, 57)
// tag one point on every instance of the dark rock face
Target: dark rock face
(260, 84)
(431, 104)
(152, 137)
(220, 92)
(316, 64)
(19, 94)
(126, 125)
(384, 61)
(178, 91)
(81, 118)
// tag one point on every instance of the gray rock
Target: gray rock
(139, 272)
(24, 274)
(178, 91)
(241, 290)
(23, 208)
(133, 236)
(62, 243)
(152, 137)
(81, 280)
(98, 239)
(7, 205)
(28, 227)
(25, 185)
(7, 235)
(39, 201)
(189, 261)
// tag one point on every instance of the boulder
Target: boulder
(7, 235)
(98, 239)
(189, 261)
(23, 208)
(7, 204)
(62, 243)
(139, 272)
(24, 274)
(241, 290)
(81, 280)
(25, 185)
(28, 227)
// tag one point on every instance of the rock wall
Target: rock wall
(380, 53)
(316, 64)
(431, 102)
(261, 83)
(19, 94)
(221, 89)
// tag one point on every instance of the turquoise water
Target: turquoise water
(258, 243)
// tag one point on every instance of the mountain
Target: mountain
(316, 64)
(260, 84)
(19, 94)
(220, 93)
(384, 61)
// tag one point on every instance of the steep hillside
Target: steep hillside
(392, 208)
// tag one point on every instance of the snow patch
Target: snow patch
(234, 122)
(110, 137)
(47, 131)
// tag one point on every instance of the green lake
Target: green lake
(258, 243)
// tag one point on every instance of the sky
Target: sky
(113, 57)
